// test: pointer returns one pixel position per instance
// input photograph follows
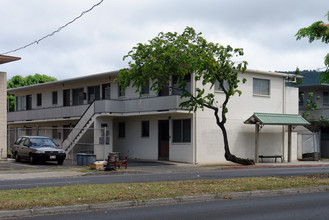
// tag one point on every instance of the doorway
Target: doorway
(66, 97)
(163, 135)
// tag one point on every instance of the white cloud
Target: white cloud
(98, 41)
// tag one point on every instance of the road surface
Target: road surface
(299, 206)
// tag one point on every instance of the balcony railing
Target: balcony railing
(163, 103)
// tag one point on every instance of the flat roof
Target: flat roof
(113, 73)
(7, 59)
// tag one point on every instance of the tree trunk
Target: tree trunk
(231, 157)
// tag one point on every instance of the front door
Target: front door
(29, 102)
(66, 97)
(163, 127)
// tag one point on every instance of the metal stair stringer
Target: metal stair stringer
(80, 128)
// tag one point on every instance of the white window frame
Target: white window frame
(260, 91)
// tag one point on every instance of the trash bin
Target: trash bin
(83, 159)
(80, 159)
(88, 158)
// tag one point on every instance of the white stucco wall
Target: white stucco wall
(3, 115)
(133, 145)
(273, 139)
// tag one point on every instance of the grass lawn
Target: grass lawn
(101, 193)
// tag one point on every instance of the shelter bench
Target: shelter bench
(117, 161)
(273, 156)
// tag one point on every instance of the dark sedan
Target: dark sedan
(37, 148)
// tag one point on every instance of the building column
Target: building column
(256, 142)
(289, 143)
(3, 115)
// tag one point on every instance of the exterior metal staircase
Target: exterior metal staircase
(80, 129)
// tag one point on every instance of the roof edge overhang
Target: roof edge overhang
(7, 59)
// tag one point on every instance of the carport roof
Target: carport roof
(276, 119)
(6, 59)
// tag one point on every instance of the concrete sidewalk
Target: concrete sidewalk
(10, 170)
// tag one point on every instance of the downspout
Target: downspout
(195, 159)
(283, 112)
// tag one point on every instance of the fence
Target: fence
(86, 144)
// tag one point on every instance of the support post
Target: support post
(104, 143)
(289, 143)
(256, 141)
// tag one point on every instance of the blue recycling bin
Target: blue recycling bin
(83, 159)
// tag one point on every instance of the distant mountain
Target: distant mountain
(310, 77)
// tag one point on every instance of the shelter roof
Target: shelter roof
(276, 119)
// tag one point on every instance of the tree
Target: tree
(180, 56)
(19, 81)
(317, 31)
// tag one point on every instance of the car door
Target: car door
(24, 148)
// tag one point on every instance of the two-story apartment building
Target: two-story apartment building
(93, 108)
(314, 91)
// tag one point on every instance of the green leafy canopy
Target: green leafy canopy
(19, 81)
(180, 55)
(317, 31)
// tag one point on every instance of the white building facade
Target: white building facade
(92, 109)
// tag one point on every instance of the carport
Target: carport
(3, 106)
(262, 119)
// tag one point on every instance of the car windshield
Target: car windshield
(37, 142)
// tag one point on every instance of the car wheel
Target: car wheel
(32, 159)
(17, 159)
(60, 162)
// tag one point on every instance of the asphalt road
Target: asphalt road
(156, 177)
(298, 206)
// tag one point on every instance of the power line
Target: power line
(56, 31)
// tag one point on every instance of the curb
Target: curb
(154, 202)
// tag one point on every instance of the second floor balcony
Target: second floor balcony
(131, 106)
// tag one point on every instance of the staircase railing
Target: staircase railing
(87, 115)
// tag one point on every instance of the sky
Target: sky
(98, 41)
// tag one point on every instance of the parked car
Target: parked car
(37, 148)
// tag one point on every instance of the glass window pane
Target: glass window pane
(261, 87)
(145, 128)
(187, 130)
(177, 130)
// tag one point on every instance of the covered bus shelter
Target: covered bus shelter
(262, 119)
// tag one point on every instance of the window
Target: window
(325, 134)
(145, 128)
(146, 88)
(54, 95)
(106, 91)
(325, 98)
(55, 133)
(217, 86)
(28, 131)
(120, 92)
(105, 134)
(39, 99)
(78, 96)
(93, 93)
(182, 130)
(176, 90)
(301, 98)
(261, 87)
(20, 101)
(122, 129)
